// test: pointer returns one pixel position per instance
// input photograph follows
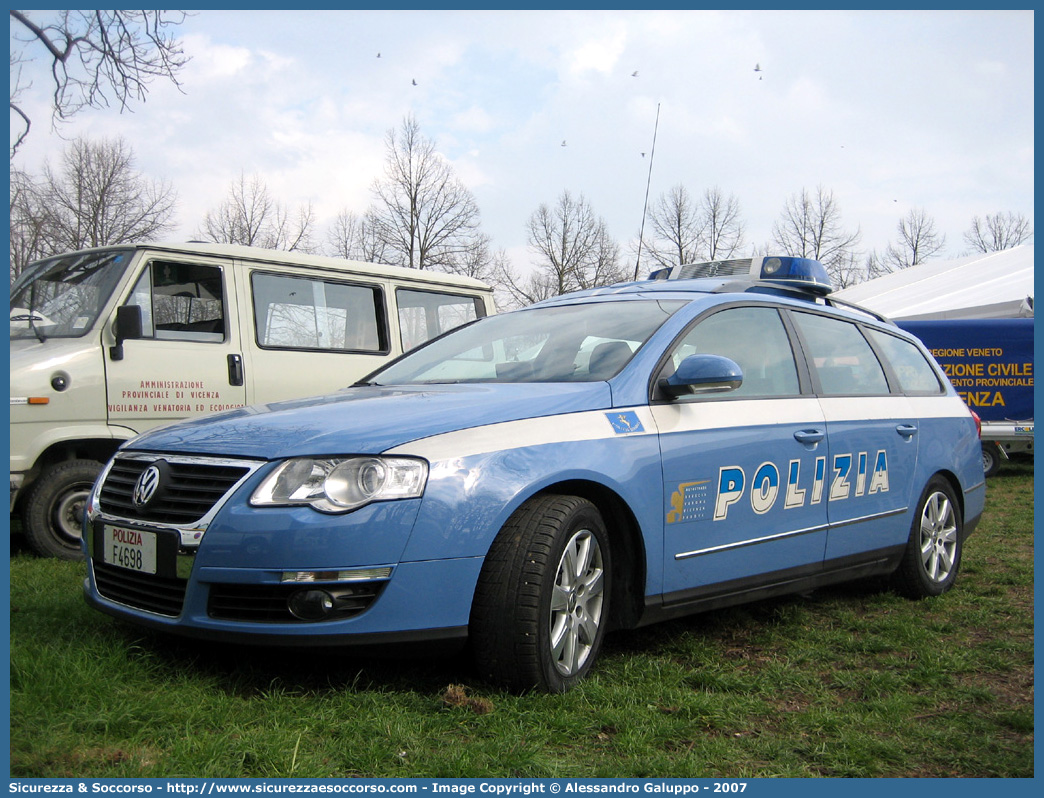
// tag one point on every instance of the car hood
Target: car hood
(368, 419)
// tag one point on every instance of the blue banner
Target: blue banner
(989, 362)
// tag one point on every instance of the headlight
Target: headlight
(340, 484)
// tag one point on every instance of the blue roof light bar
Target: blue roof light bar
(803, 273)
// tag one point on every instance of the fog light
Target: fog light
(310, 605)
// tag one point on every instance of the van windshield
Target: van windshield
(61, 297)
(562, 343)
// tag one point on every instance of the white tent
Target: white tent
(997, 285)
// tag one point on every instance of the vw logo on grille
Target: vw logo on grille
(146, 486)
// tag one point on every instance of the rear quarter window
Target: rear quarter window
(424, 315)
(911, 368)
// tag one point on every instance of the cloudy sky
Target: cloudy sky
(889, 110)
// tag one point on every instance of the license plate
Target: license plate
(130, 548)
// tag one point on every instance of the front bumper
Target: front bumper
(421, 601)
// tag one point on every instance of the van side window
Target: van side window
(913, 371)
(423, 315)
(841, 357)
(309, 313)
(756, 340)
(181, 302)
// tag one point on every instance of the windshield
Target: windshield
(564, 343)
(61, 297)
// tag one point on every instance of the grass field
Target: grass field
(853, 681)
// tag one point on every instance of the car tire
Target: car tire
(542, 601)
(991, 459)
(52, 515)
(933, 553)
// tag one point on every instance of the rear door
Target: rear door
(873, 437)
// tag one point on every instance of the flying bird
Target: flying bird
(563, 142)
(378, 55)
(757, 67)
(634, 74)
(414, 82)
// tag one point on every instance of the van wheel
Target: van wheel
(542, 602)
(933, 552)
(52, 517)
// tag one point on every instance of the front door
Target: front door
(744, 473)
(189, 360)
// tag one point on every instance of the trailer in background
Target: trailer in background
(990, 363)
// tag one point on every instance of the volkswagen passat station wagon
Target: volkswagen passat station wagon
(720, 433)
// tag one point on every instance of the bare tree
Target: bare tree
(99, 198)
(574, 251)
(477, 259)
(95, 198)
(502, 278)
(688, 232)
(1000, 231)
(677, 228)
(252, 217)
(96, 58)
(352, 236)
(722, 226)
(918, 241)
(810, 227)
(424, 215)
(873, 266)
(29, 222)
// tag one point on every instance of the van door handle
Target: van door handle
(809, 437)
(907, 430)
(235, 369)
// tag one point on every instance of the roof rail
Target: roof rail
(835, 302)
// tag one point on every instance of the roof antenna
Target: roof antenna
(645, 208)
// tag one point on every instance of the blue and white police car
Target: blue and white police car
(597, 461)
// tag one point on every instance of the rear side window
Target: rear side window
(310, 313)
(913, 371)
(424, 315)
(841, 357)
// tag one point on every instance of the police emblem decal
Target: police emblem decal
(625, 422)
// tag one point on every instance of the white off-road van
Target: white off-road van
(107, 343)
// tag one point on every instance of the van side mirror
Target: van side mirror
(699, 374)
(128, 328)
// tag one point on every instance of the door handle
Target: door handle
(809, 437)
(907, 430)
(235, 369)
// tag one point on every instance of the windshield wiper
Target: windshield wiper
(31, 317)
(36, 330)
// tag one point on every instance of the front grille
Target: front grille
(268, 603)
(162, 595)
(188, 489)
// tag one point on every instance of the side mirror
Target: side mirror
(699, 374)
(128, 328)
